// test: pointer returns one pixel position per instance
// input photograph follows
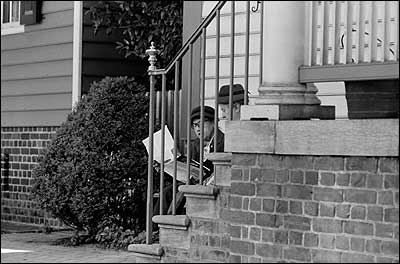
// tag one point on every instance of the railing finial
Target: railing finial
(152, 53)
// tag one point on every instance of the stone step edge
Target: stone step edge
(220, 158)
(154, 251)
(199, 191)
(172, 221)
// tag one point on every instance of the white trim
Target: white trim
(11, 27)
(77, 53)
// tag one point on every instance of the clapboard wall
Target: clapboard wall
(36, 69)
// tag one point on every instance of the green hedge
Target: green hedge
(93, 174)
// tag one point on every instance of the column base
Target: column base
(286, 112)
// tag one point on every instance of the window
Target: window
(10, 17)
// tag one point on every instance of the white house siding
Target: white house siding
(225, 48)
(36, 69)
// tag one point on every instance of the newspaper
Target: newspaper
(168, 143)
(181, 170)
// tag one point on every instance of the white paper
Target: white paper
(168, 142)
(181, 171)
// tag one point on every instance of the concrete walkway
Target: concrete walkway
(35, 247)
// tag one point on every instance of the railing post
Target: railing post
(232, 72)
(152, 52)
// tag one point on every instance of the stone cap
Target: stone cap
(220, 157)
(355, 137)
(152, 250)
(172, 220)
(199, 190)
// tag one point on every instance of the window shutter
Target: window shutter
(30, 12)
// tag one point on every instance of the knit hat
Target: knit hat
(237, 94)
(208, 113)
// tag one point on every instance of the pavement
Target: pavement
(22, 243)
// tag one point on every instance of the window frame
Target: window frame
(11, 27)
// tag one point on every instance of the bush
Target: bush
(141, 22)
(118, 238)
(93, 174)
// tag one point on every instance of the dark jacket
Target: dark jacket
(195, 150)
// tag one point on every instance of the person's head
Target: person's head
(237, 101)
(208, 121)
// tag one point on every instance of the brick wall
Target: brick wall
(20, 149)
(313, 209)
(209, 238)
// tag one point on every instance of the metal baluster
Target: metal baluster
(158, 107)
(189, 111)
(163, 103)
(170, 110)
(176, 137)
(217, 40)
(232, 59)
(152, 52)
(246, 63)
(261, 40)
(202, 88)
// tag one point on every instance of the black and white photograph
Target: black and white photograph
(200, 132)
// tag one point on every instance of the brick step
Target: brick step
(222, 162)
(205, 201)
(146, 253)
(182, 235)
(201, 201)
(173, 230)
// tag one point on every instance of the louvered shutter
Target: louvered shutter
(30, 12)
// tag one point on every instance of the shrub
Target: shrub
(93, 173)
(118, 238)
(141, 22)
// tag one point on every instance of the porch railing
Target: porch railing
(160, 99)
(360, 37)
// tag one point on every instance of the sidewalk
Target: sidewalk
(27, 244)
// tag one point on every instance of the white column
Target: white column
(284, 47)
(77, 53)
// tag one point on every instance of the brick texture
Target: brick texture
(20, 149)
(316, 209)
(304, 209)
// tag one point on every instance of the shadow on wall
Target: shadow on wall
(361, 99)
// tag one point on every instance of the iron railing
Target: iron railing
(163, 103)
